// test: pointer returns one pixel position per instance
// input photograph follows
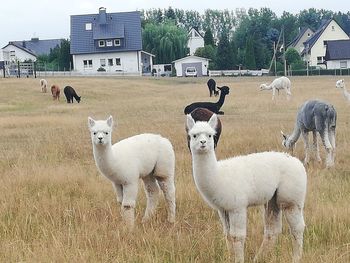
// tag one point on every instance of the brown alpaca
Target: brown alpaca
(55, 90)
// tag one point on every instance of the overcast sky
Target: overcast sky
(48, 19)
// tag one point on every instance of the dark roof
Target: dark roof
(298, 37)
(35, 46)
(338, 49)
(125, 26)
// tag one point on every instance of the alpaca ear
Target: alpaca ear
(110, 121)
(189, 122)
(213, 121)
(219, 88)
(91, 122)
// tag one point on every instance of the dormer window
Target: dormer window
(117, 42)
(109, 43)
(101, 43)
(88, 26)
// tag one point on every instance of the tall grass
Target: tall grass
(56, 207)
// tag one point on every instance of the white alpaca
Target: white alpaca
(147, 156)
(340, 84)
(275, 180)
(277, 84)
(43, 85)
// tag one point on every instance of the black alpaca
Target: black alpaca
(202, 114)
(69, 92)
(211, 86)
(212, 106)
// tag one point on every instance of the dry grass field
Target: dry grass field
(56, 207)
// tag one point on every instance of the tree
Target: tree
(249, 54)
(224, 57)
(292, 56)
(208, 38)
(64, 58)
(208, 51)
(166, 41)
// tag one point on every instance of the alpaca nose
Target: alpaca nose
(99, 138)
(203, 141)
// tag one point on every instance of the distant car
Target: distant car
(191, 72)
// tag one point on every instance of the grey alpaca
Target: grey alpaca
(319, 117)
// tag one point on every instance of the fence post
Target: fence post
(34, 69)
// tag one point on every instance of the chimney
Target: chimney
(102, 17)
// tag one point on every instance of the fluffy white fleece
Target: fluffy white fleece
(147, 156)
(276, 180)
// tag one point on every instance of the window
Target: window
(88, 26)
(117, 42)
(109, 43)
(12, 53)
(101, 43)
(343, 64)
(117, 61)
(103, 62)
(319, 60)
(87, 63)
(333, 29)
(110, 62)
(325, 43)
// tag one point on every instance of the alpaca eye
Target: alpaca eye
(209, 136)
(95, 133)
(194, 136)
(106, 133)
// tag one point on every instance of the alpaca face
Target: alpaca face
(78, 99)
(201, 134)
(263, 86)
(101, 131)
(339, 84)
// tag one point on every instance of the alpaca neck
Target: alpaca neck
(104, 156)
(205, 171)
(292, 139)
(221, 100)
(267, 87)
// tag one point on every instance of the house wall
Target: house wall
(19, 54)
(299, 46)
(194, 43)
(178, 65)
(335, 64)
(319, 49)
(130, 62)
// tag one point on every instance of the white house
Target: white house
(338, 54)
(201, 65)
(195, 40)
(315, 47)
(110, 42)
(14, 52)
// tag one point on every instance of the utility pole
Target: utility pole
(284, 54)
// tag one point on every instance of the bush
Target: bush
(101, 69)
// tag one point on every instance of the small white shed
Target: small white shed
(201, 64)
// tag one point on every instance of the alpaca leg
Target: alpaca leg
(168, 188)
(225, 220)
(237, 234)
(328, 147)
(305, 135)
(152, 194)
(272, 227)
(273, 93)
(128, 204)
(210, 92)
(295, 219)
(119, 192)
(332, 140)
(316, 149)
